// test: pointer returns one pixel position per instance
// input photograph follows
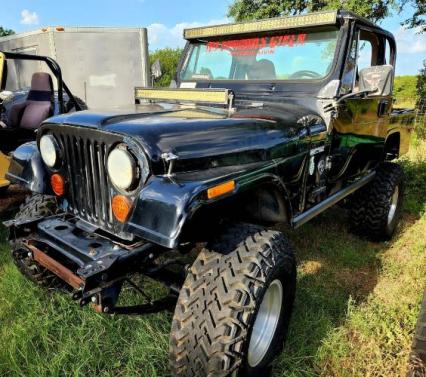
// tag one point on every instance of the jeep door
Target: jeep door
(361, 126)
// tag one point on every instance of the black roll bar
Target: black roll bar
(55, 69)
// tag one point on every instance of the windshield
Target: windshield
(301, 56)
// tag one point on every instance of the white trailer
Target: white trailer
(102, 66)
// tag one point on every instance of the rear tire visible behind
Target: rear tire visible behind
(35, 206)
(375, 210)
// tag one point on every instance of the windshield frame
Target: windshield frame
(340, 40)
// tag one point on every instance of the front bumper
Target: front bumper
(92, 264)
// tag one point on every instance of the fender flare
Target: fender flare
(27, 168)
(164, 207)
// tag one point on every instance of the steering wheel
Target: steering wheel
(305, 74)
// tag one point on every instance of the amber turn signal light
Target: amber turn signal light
(121, 207)
(58, 184)
(221, 189)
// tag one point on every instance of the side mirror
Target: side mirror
(2, 71)
(156, 70)
(377, 80)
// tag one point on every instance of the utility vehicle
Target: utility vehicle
(267, 122)
(24, 107)
(101, 65)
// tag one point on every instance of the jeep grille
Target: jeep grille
(89, 191)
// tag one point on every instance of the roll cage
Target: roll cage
(54, 68)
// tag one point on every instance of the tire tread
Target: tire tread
(218, 299)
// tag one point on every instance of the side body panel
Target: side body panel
(366, 131)
(402, 122)
(359, 135)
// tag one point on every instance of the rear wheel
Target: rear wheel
(35, 206)
(375, 210)
(234, 308)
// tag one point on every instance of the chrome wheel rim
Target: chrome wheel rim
(393, 205)
(265, 323)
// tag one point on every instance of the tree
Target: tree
(5, 32)
(418, 17)
(375, 10)
(421, 86)
(169, 59)
(421, 102)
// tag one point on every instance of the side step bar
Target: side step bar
(330, 201)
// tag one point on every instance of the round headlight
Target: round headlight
(121, 168)
(48, 150)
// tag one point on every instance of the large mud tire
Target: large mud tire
(221, 298)
(35, 206)
(375, 210)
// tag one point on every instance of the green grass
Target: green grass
(404, 91)
(356, 308)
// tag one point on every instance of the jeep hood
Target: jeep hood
(199, 132)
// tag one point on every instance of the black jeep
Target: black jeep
(268, 122)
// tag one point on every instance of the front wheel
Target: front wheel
(35, 207)
(234, 308)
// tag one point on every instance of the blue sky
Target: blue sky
(166, 19)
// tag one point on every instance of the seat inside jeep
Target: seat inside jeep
(38, 105)
(25, 117)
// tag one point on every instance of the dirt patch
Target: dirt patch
(310, 267)
(410, 218)
(357, 282)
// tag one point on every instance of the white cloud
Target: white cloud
(160, 36)
(29, 18)
(408, 41)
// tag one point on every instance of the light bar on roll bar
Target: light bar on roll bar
(271, 24)
(205, 96)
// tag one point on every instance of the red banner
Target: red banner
(251, 46)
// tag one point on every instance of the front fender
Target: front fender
(162, 208)
(165, 204)
(27, 168)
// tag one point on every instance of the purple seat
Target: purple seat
(38, 105)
